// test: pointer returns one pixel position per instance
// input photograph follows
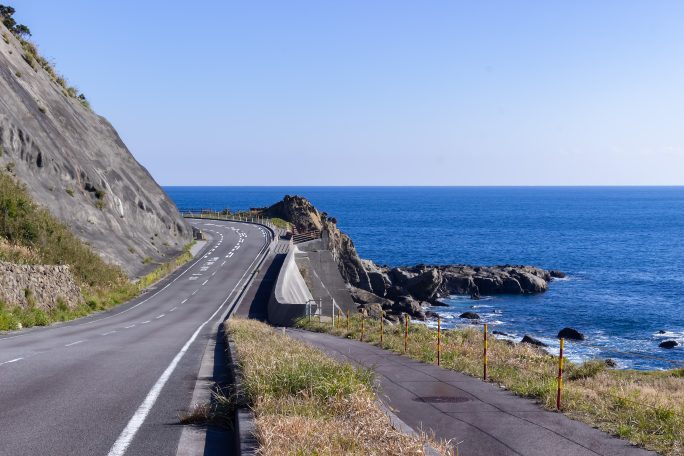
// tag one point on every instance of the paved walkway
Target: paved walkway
(487, 420)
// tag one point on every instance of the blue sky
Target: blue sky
(381, 92)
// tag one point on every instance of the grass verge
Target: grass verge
(29, 234)
(307, 403)
(647, 408)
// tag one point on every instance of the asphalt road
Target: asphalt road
(114, 383)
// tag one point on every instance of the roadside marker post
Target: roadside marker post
(439, 340)
(484, 358)
(363, 319)
(560, 375)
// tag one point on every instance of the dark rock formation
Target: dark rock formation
(499, 333)
(469, 316)
(668, 344)
(424, 283)
(571, 334)
(532, 341)
(74, 163)
(610, 362)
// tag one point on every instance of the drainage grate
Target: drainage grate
(442, 399)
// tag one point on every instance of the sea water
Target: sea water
(622, 248)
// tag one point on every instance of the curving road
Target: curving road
(114, 383)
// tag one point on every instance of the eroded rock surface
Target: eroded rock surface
(74, 163)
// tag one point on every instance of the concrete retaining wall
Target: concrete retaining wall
(290, 294)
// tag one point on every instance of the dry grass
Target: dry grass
(647, 408)
(307, 403)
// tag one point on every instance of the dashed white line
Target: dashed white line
(11, 361)
(171, 310)
(129, 327)
(74, 343)
(159, 316)
(145, 322)
(205, 282)
(183, 301)
(108, 333)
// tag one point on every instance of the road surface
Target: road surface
(114, 383)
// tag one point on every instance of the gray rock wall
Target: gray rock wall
(47, 285)
(74, 163)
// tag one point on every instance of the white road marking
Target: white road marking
(108, 333)
(160, 316)
(213, 273)
(129, 327)
(74, 343)
(11, 361)
(183, 301)
(145, 322)
(224, 262)
(205, 282)
(138, 418)
(194, 292)
(173, 309)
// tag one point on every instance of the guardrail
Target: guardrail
(228, 217)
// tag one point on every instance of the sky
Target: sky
(382, 92)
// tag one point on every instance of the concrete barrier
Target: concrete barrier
(290, 294)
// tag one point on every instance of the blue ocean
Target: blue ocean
(622, 248)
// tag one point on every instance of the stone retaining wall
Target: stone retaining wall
(47, 284)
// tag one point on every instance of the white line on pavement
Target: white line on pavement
(171, 310)
(11, 361)
(129, 327)
(205, 282)
(108, 333)
(145, 322)
(73, 343)
(160, 316)
(183, 301)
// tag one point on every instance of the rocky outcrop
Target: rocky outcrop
(408, 289)
(571, 334)
(44, 286)
(668, 344)
(532, 341)
(74, 163)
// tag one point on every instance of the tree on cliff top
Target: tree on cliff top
(6, 13)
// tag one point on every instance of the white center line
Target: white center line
(183, 301)
(145, 322)
(194, 292)
(129, 327)
(205, 282)
(73, 343)
(173, 309)
(108, 333)
(160, 316)
(11, 361)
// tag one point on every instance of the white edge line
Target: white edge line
(138, 418)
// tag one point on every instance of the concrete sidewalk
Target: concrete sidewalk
(487, 420)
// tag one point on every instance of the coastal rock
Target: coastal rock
(421, 282)
(532, 341)
(469, 316)
(366, 297)
(430, 314)
(499, 333)
(571, 334)
(610, 362)
(409, 306)
(668, 344)
(373, 310)
(425, 285)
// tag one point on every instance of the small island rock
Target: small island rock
(469, 316)
(570, 333)
(668, 344)
(532, 341)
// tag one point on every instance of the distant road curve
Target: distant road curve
(114, 383)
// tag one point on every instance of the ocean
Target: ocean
(622, 248)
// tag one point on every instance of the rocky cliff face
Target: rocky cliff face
(73, 162)
(403, 289)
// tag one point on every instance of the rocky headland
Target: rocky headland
(408, 289)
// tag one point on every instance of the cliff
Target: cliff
(74, 163)
(403, 289)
